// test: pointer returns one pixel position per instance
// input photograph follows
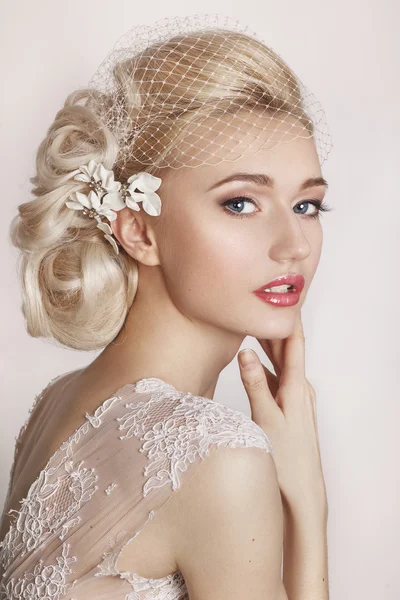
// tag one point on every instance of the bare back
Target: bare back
(97, 468)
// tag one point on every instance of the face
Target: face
(219, 243)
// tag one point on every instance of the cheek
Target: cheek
(207, 259)
(316, 239)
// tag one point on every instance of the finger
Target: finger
(294, 356)
(255, 383)
(275, 349)
(272, 380)
(266, 346)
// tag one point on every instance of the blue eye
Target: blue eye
(319, 204)
(241, 200)
(238, 200)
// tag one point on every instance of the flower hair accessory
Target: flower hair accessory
(107, 195)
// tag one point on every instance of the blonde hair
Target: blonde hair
(75, 289)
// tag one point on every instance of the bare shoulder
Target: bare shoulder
(228, 527)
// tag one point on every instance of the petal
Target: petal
(82, 177)
(74, 205)
(145, 182)
(92, 167)
(112, 242)
(152, 204)
(94, 200)
(133, 178)
(82, 198)
(72, 174)
(105, 175)
(108, 213)
(132, 204)
(114, 200)
(137, 196)
(151, 183)
(105, 227)
(86, 171)
(96, 175)
(112, 186)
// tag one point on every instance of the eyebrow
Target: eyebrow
(266, 180)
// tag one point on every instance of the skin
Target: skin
(199, 264)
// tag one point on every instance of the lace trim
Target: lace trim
(171, 444)
(192, 429)
(169, 587)
(189, 432)
(37, 399)
(31, 525)
(38, 519)
(45, 581)
(35, 521)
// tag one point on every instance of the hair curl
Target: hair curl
(75, 289)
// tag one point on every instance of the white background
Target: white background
(347, 54)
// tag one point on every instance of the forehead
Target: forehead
(279, 147)
(227, 137)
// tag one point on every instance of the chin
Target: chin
(279, 326)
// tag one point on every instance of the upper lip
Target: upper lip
(297, 281)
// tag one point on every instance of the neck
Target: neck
(158, 340)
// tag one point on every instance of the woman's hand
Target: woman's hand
(284, 406)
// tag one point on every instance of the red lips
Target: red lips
(297, 281)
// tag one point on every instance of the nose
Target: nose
(289, 240)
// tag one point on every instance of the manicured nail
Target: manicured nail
(247, 357)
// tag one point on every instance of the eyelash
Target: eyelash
(319, 204)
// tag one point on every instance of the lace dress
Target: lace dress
(101, 487)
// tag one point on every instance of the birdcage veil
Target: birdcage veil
(194, 90)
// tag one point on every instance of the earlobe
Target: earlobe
(135, 236)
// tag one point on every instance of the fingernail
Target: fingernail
(247, 357)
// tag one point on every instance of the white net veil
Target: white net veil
(188, 91)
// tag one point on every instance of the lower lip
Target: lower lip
(288, 299)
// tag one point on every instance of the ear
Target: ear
(136, 235)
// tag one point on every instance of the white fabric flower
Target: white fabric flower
(99, 174)
(108, 233)
(147, 184)
(104, 207)
(91, 205)
(107, 195)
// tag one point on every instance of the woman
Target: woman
(164, 208)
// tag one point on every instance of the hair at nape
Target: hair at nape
(75, 289)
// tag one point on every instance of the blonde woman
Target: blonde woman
(166, 211)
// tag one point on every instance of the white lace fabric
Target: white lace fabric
(101, 487)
